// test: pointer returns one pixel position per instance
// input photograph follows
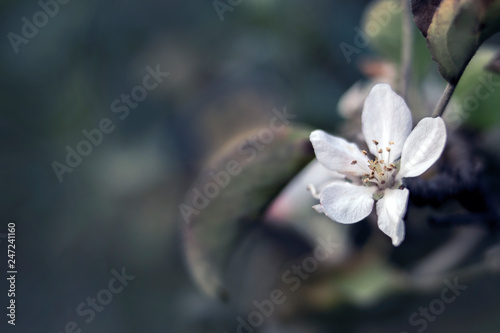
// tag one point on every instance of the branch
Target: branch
(443, 102)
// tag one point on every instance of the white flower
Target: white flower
(398, 152)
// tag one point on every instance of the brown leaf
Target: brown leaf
(423, 12)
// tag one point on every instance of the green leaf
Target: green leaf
(260, 171)
(455, 29)
(476, 96)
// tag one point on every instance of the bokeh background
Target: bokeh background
(119, 207)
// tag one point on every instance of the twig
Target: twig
(407, 48)
(443, 102)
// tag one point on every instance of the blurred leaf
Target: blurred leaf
(211, 236)
(365, 280)
(382, 24)
(455, 29)
(477, 94)
(370, 282)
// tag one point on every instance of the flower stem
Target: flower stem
(443, 102)
(407, 48)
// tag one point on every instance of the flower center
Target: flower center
(383, 171)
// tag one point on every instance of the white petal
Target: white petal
(290, 202)
(347, 203)
(423, 147)
(337, 154)
(318, 176)
(390, 211)
(385, 118)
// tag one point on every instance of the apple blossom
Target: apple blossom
(397, 153)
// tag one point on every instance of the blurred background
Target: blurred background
(119, 206)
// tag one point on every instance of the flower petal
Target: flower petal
(289, 203)
(423, 147)
(347, 203)
(390, 211)
(337, 154)
(385, 118)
